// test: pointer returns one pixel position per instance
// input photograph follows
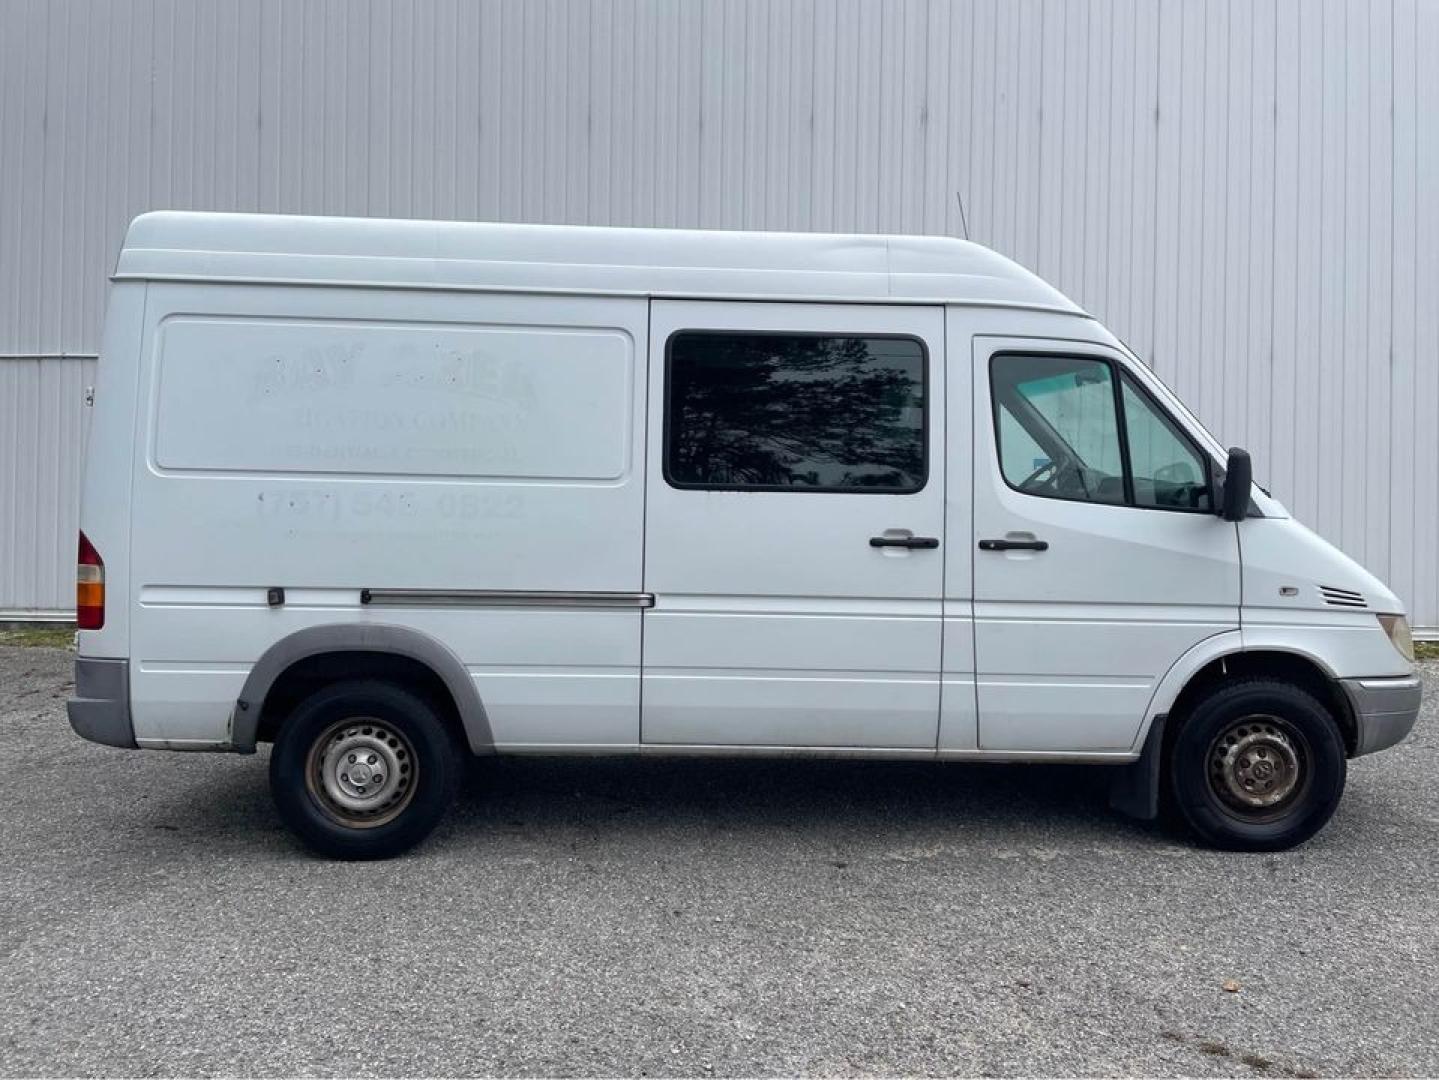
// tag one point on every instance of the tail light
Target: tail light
(89, 587)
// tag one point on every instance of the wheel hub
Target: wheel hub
(362, 771)
(1254, 765)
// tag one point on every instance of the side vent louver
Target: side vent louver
(1342, 597)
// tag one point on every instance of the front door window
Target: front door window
(1071, 427)
(1058, 430)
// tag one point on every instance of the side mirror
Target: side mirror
(1238, 479)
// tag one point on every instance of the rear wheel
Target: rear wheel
(363, 770)
(1258, 765)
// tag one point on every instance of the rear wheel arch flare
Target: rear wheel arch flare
(299, 663)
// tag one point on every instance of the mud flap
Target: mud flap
(1135, 789)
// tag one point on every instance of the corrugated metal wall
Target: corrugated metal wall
(1245, 191)
(41, 439)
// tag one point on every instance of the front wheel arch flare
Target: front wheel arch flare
(1277, 665)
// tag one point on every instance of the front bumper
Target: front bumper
(100, 709)
(1384, 710)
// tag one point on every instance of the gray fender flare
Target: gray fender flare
(359, 637)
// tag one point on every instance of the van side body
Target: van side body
(639, 491)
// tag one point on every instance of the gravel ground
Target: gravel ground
(698, 917)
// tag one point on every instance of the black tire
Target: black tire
(1251, 740)
(410, 785)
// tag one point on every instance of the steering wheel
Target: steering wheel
(1048, 467)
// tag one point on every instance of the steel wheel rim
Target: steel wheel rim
(362, 772)
(1258, 767)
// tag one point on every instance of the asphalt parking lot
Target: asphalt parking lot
(698, 917)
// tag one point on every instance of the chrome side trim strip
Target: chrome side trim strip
(502, 598)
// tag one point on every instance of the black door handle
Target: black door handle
(1014, 545)
(924, 542)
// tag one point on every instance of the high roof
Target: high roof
(581, 259)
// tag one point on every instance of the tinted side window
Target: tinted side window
(795, 412)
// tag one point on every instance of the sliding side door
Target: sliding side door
(794, 525)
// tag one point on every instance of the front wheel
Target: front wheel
(363, 770)
(1258, 765)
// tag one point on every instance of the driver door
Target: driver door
(1099, 560)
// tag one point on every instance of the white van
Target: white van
(381, 491)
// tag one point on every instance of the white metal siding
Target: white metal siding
(1244, 191)
(41, 442)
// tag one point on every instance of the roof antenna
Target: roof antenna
(964, 223)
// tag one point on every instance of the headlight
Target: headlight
(1397, 627)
